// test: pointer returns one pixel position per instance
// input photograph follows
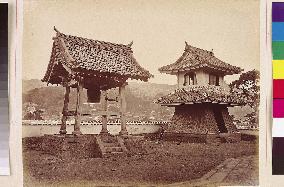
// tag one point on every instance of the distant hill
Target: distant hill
(139, 97)
(28, 85)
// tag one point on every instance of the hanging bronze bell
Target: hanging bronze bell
(94, 95)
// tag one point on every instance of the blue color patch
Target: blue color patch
(277, 31)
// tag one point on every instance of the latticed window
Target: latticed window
(189, 79)
(214, 80)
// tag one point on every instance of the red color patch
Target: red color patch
(278, 88)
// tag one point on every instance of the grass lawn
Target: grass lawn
(164, 163)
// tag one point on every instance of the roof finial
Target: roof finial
(211, 52)
(55, 29)
(130, 44)
(186, 45)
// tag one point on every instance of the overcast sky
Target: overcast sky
(158, 29)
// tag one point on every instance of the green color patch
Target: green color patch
(278, 50)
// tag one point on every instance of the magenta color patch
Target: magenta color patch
(278, 108)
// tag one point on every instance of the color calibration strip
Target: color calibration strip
(4, 102)
(278, 88)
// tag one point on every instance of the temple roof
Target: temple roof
(72, 54)
(194, 58)
(202, 94)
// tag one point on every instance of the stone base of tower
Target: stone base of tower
(206, 120)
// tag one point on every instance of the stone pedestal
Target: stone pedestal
(204, 119)
(194, 118)
(70, 146)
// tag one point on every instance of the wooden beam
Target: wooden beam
(112, 99)
(234, 104)
(66, 51)
(178, 80)
(122, 110)
(104, 130)
(67, 69)
(171, 104)
(65, 111)
(53, 63)
(67, 81)
(77, 124)
(189, 103)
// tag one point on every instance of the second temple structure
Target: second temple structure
(202, 99)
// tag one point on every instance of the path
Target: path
(234, 171)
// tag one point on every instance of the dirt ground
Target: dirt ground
(164, 163)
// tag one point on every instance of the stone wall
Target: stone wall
(135, 145)
(84, 146)
(231, 137)
(196, 119)
(209, 120)
(228, 120)
(71, 147)
(199, 119)
(32, 143)
(29, 130)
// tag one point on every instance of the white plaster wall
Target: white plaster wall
(202, 78)
(40, 130)
(180, 79)
(223, 84)
(221, 81)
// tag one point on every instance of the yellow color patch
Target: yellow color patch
(278, 69)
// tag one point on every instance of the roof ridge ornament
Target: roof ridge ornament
(211, 52)
(186, 45)
(130, 44)
(55, 29)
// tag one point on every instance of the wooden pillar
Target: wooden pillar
(122, 110)
(77, 124)
(65, 111)
(178, 80)
(104, 116)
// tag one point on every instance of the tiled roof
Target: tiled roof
(194, 58)
(202, 94)
(98, 57)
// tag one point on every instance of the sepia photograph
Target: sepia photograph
(140, 93)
